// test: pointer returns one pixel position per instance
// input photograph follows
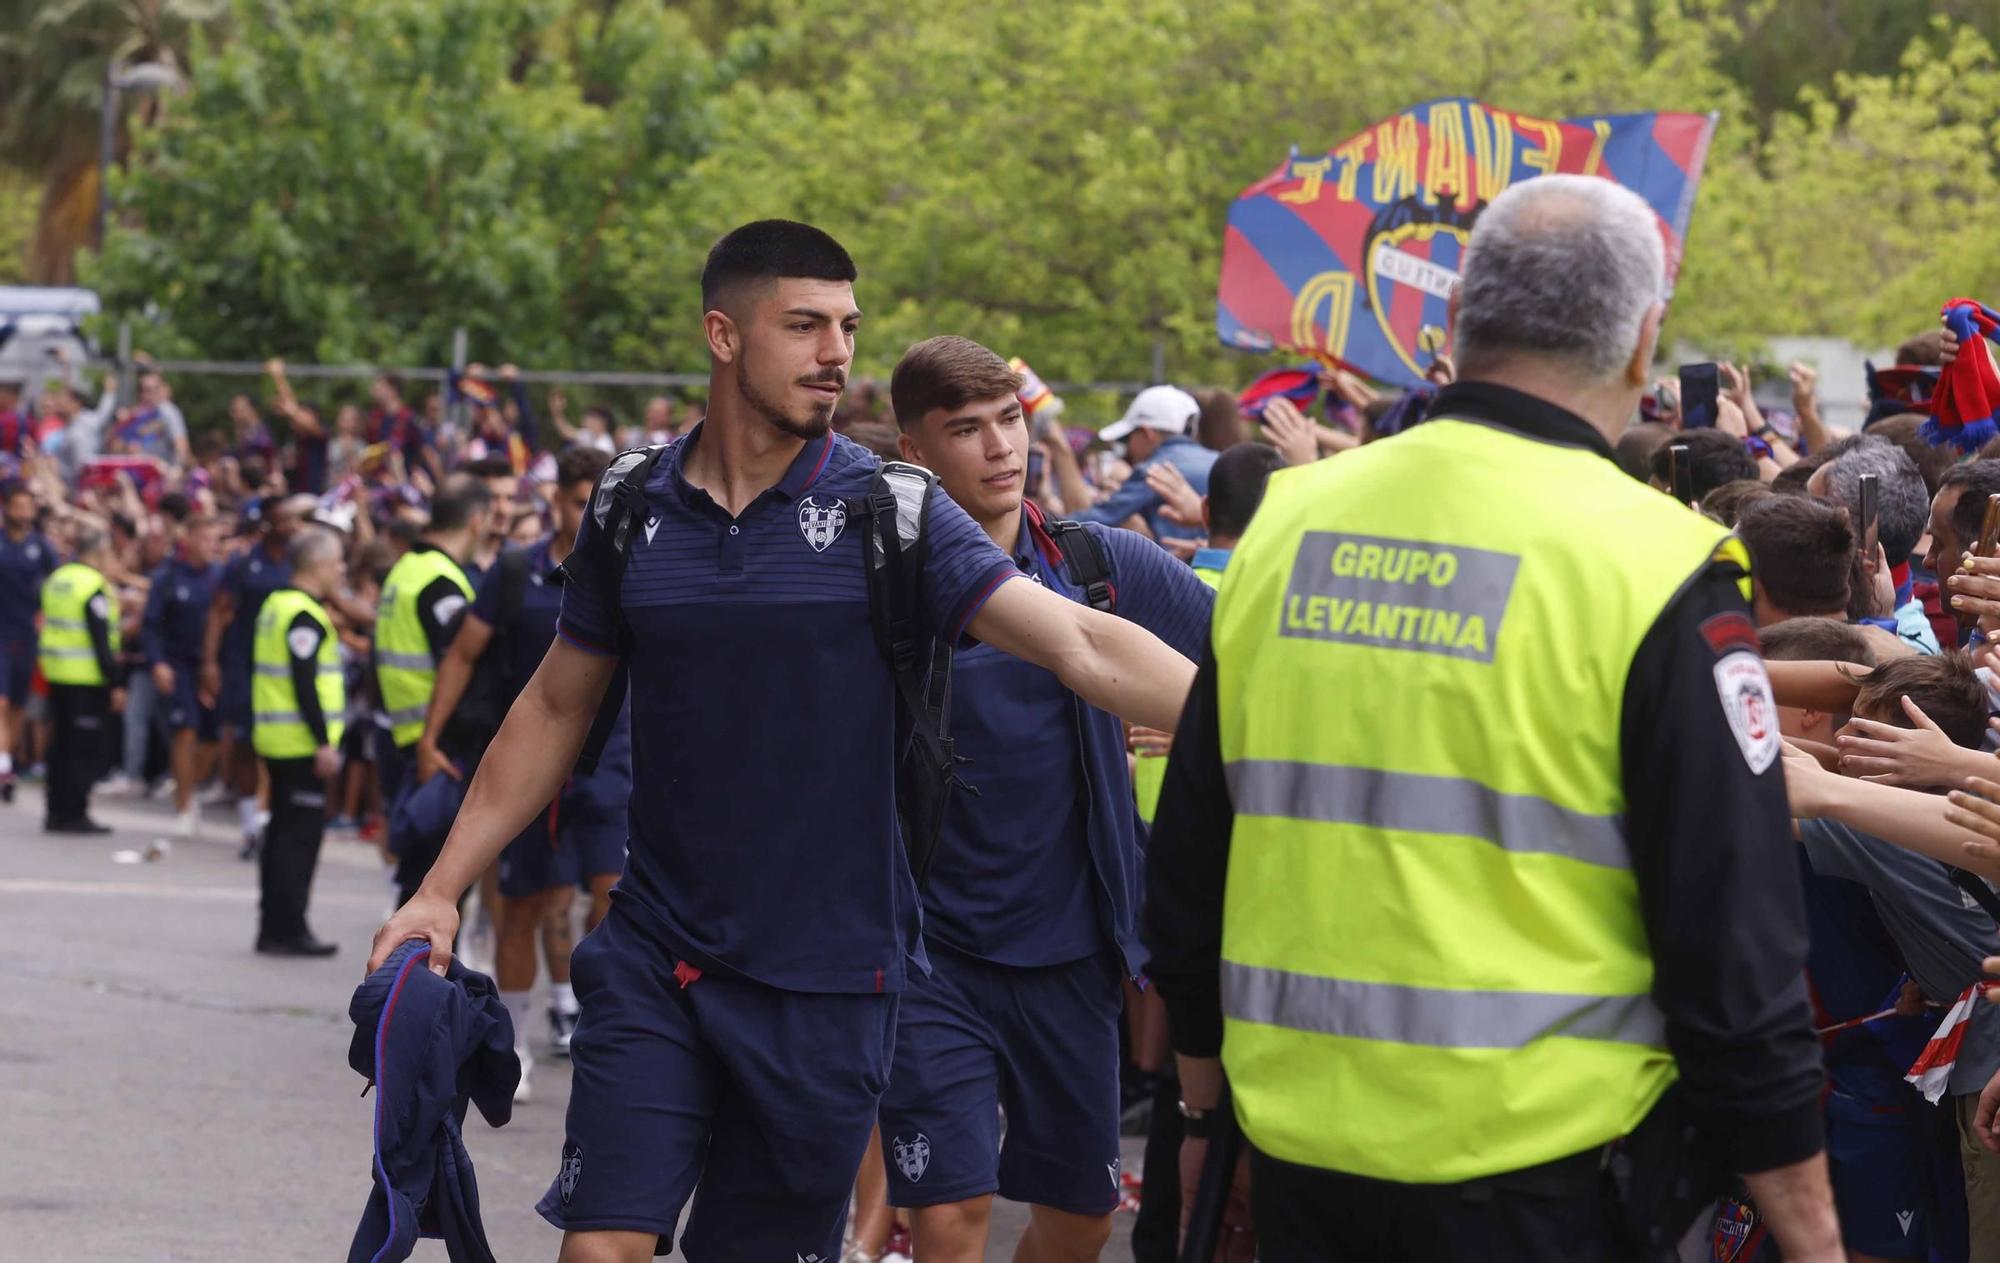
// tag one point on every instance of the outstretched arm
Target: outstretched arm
(1112, 664)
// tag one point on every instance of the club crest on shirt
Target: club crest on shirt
(821, 524)
(913, 1158)
(1745, 692)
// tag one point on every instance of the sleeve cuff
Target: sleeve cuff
(982, 593)
(585, 643)
(1749, 1145)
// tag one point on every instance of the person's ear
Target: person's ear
(1638, 369)
(907, 445)
(725, 338)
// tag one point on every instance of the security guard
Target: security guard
(423, 600)
(78, 654)
(1474, 839)
(299, 698)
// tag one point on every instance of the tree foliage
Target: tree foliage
(354, 178)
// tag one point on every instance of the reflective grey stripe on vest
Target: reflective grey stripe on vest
(408, 715)
(1419, 803)
(285, 673)
(278, 717)
(407, 661)
(60, 651)
(1433, 1017)
(65, 624)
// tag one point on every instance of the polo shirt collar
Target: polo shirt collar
(1519, 411)
(1216, 559)
(799, 476)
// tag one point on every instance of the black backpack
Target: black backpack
(491, 691)
(893, 513)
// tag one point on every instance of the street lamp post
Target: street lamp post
(146, 76)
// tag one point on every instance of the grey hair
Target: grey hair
(90, 540)
(1563, 267)
(1905, 501)
(313, 545)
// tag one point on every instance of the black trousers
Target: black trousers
(79, 715)
(1558, 1213)
(290, 852)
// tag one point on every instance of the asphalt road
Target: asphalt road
(166, 1093)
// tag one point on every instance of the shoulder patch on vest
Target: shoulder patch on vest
(1745, 692)
(1727, 632)
(304, 641)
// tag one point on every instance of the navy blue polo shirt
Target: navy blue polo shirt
(763, 826)
(1042, 867)
(248, 577)
(24, 563)
(525, 637)
(176, 617)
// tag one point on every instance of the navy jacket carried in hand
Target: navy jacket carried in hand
(428, 1044)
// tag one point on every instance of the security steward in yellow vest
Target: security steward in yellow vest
(298, 702)
(424, 599)
(1473, 858)
(78, 654)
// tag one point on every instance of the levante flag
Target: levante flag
(1351, 256)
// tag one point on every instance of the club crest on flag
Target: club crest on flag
(821, 524)
(912, 1158)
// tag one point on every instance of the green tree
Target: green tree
(352, 179)
(53, 55)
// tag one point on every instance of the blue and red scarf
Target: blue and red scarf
(1965, 410)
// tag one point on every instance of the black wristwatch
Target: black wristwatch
(1197, 1124)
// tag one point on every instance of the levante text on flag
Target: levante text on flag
(1351, 255)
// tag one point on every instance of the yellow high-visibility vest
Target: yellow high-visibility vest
(405, 672)
(64, 649)
(280, 730)
(1434, 967)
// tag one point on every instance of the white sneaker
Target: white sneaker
(119, 785)
(527, 1064)
(188, 823)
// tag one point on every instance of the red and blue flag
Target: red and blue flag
(1351, 256)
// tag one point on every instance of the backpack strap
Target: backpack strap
(1081, 552)
(617, 507)
(894, 511)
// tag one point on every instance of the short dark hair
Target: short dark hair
(489, 467)
(1926, 348)
(605, 414)
(1726, 503)
(1236, 486)
(769, 249)
(1905, 430)
(1792, 479)
(946, 372)
(1802, 550)
(175, 507)
(1713, 459)
(1816, 639)
(1220, 425)
(580, 464)
(1945, 686)
(1976, 480)
(1634, 448)
(462, 495)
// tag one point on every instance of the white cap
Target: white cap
(1168, 409)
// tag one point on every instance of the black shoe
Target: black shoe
(248, 851)
(83, 826)
(303, 945)
(7, 788)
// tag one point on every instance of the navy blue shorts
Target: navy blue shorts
(17, 670)
(765, 1098)
(234, 702)
(1878, 1166)
(182, 709)
(581, 836)
(1042, 1043)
